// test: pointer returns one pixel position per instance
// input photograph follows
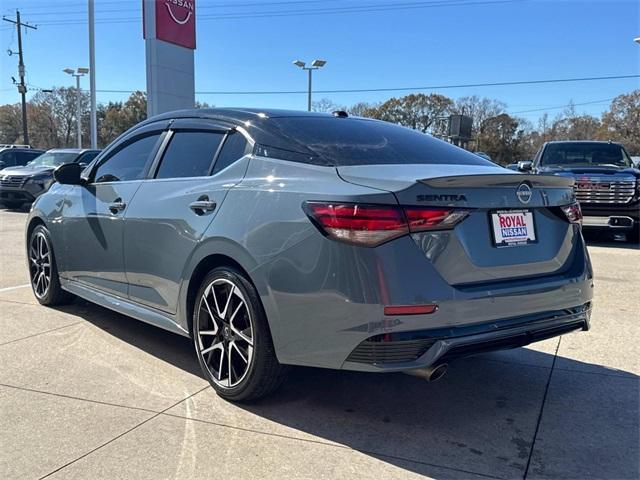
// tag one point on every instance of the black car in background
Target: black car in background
(607, 184)
(13, 157)
(23, 184)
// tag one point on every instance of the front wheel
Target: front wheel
(43, 271)
(232, 338)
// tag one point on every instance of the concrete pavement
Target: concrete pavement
(87, 393)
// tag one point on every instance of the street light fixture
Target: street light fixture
(315, 65)
(637, 39)
(79, 72)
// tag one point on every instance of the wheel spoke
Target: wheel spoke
(213, 319)
(226, 307)
(238, 351)
(229, 365)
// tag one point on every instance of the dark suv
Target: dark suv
(24, 183)
(607, 185)
(12, 157)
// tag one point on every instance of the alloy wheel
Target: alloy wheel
(225, 333)
(40, 264)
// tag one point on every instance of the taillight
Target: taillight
(573, 212)
(373, 225)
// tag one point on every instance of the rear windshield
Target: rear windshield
(54, 159)
(574, 154)
(346, 142)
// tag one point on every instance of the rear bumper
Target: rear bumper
(613, 217)
(431, 347)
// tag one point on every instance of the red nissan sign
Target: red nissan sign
(176, 22)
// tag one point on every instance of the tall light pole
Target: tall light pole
(315, 65)
(79, 72)
(92, 77)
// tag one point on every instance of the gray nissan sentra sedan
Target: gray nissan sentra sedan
(278, 238)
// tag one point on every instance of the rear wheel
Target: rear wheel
(232, 338)
(43, 272)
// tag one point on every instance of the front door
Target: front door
(93, 214)
(171, 211)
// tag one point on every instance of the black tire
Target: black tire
(52, 294)
(263, 373)
(12, 204)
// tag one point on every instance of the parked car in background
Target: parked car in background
(24, 183)
(484, 155)
(277, 238)
(513, 166)
(14, 145)
(607, 185)
(15, 157)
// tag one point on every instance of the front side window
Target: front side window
(189, 154)
(234, 148)
(129, 162)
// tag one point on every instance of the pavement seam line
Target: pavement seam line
(156, 415)
(70, 397)
(544, 401)
(326, 444)
(41, 333)
(17, 287)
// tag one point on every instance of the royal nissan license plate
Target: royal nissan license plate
(513, 227)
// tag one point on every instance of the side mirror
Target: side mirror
(525, 166)
(68, 174)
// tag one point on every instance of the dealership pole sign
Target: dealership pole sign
(169, 28)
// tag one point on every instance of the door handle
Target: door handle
(117, 206)
(203, 205)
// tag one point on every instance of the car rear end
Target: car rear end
(451, 257)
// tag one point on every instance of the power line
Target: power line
(593, 102)
(429, 87)
(306, 12)
(399, 89)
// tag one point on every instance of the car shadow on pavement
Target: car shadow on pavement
(598, 239)
(480, 419)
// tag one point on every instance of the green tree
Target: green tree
(621, 123)
(417, 110)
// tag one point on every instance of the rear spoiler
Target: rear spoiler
(499, 181)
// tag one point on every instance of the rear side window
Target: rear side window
(8, 158)
(129, 162)
(234, 148)
(189, 154)
(346, 141)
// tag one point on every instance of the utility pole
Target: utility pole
(22, 88)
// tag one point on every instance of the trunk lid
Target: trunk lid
(468, 254)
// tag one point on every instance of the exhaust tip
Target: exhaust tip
(438, 372)
(430, 374)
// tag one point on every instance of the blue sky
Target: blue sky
(455, 42)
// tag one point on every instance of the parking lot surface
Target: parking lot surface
(87, 393)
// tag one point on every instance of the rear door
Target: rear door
(93, 214)
(172, 210)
